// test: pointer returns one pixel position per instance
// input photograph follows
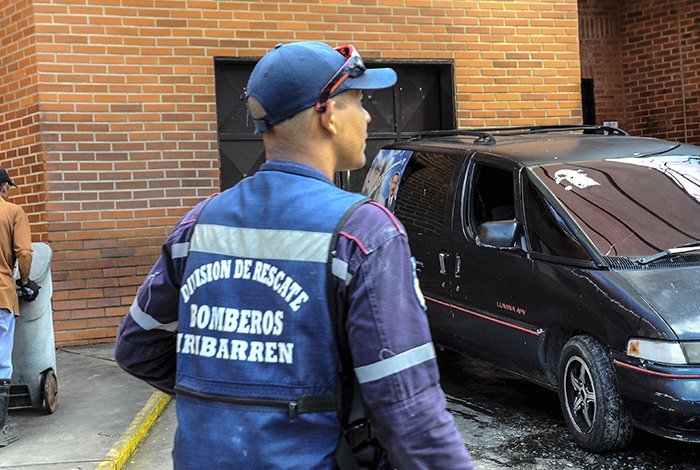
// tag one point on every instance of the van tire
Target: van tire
(589, 397)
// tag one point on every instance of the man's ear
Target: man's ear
(328, 117)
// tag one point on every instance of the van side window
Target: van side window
(491, 195)
(424, 192)
(548, 234)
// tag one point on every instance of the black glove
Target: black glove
(28, 292)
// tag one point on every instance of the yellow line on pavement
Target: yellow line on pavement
(136, 431)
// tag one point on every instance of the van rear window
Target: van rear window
(422, 202)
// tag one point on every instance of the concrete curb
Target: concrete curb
(137, 430)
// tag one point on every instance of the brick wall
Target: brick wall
(644, 56)
(601, 60)
(20, 146)
(661, 59)
(130, 140)
(129, 122)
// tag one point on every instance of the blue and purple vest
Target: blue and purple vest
(257, 360)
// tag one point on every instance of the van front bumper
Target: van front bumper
(661, 399)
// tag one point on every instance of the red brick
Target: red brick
(129, 111)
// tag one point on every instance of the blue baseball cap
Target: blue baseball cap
(291, 77)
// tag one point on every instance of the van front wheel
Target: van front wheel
(590, 401)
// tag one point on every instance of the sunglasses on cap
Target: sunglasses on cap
(352, 67)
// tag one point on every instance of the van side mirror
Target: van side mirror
(498, 234)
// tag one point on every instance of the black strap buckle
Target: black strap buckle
(358, 432)
(292, 410)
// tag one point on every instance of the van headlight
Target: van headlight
(665, 352)
(692, 351)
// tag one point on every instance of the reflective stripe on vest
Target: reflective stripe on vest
(146, 321)
(179, 250)
(291, 245)
(395, 364)
(339, 269)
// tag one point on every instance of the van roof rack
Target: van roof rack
(487, 136)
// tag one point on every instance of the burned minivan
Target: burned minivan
(567, 255)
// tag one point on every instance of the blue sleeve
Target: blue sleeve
(145, 343)
(390, 344)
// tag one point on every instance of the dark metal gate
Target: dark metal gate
(422, 100)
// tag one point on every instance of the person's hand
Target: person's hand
(28, 292)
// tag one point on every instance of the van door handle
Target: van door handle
(458, 264)
(443, 257)
(419, 265)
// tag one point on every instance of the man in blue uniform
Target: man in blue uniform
(287, 301)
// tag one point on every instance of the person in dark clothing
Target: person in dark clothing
(280, 304)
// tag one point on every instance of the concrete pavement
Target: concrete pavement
(155, 451)
(107, 419)
(102, 415)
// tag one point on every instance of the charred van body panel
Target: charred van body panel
(667, 293)
(537, 248)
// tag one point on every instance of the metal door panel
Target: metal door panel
(239, 159)
(424, 205)
(422, 100)
(493, 296)
(231, 113)
(419, 100)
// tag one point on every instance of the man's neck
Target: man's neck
(314, 159)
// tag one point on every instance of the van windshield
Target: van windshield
(631, 207)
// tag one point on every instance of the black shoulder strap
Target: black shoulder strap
(344, 456)
(331, 253)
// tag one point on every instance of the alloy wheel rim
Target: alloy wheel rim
(579, 392)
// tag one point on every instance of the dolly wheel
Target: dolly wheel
(50, 391)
